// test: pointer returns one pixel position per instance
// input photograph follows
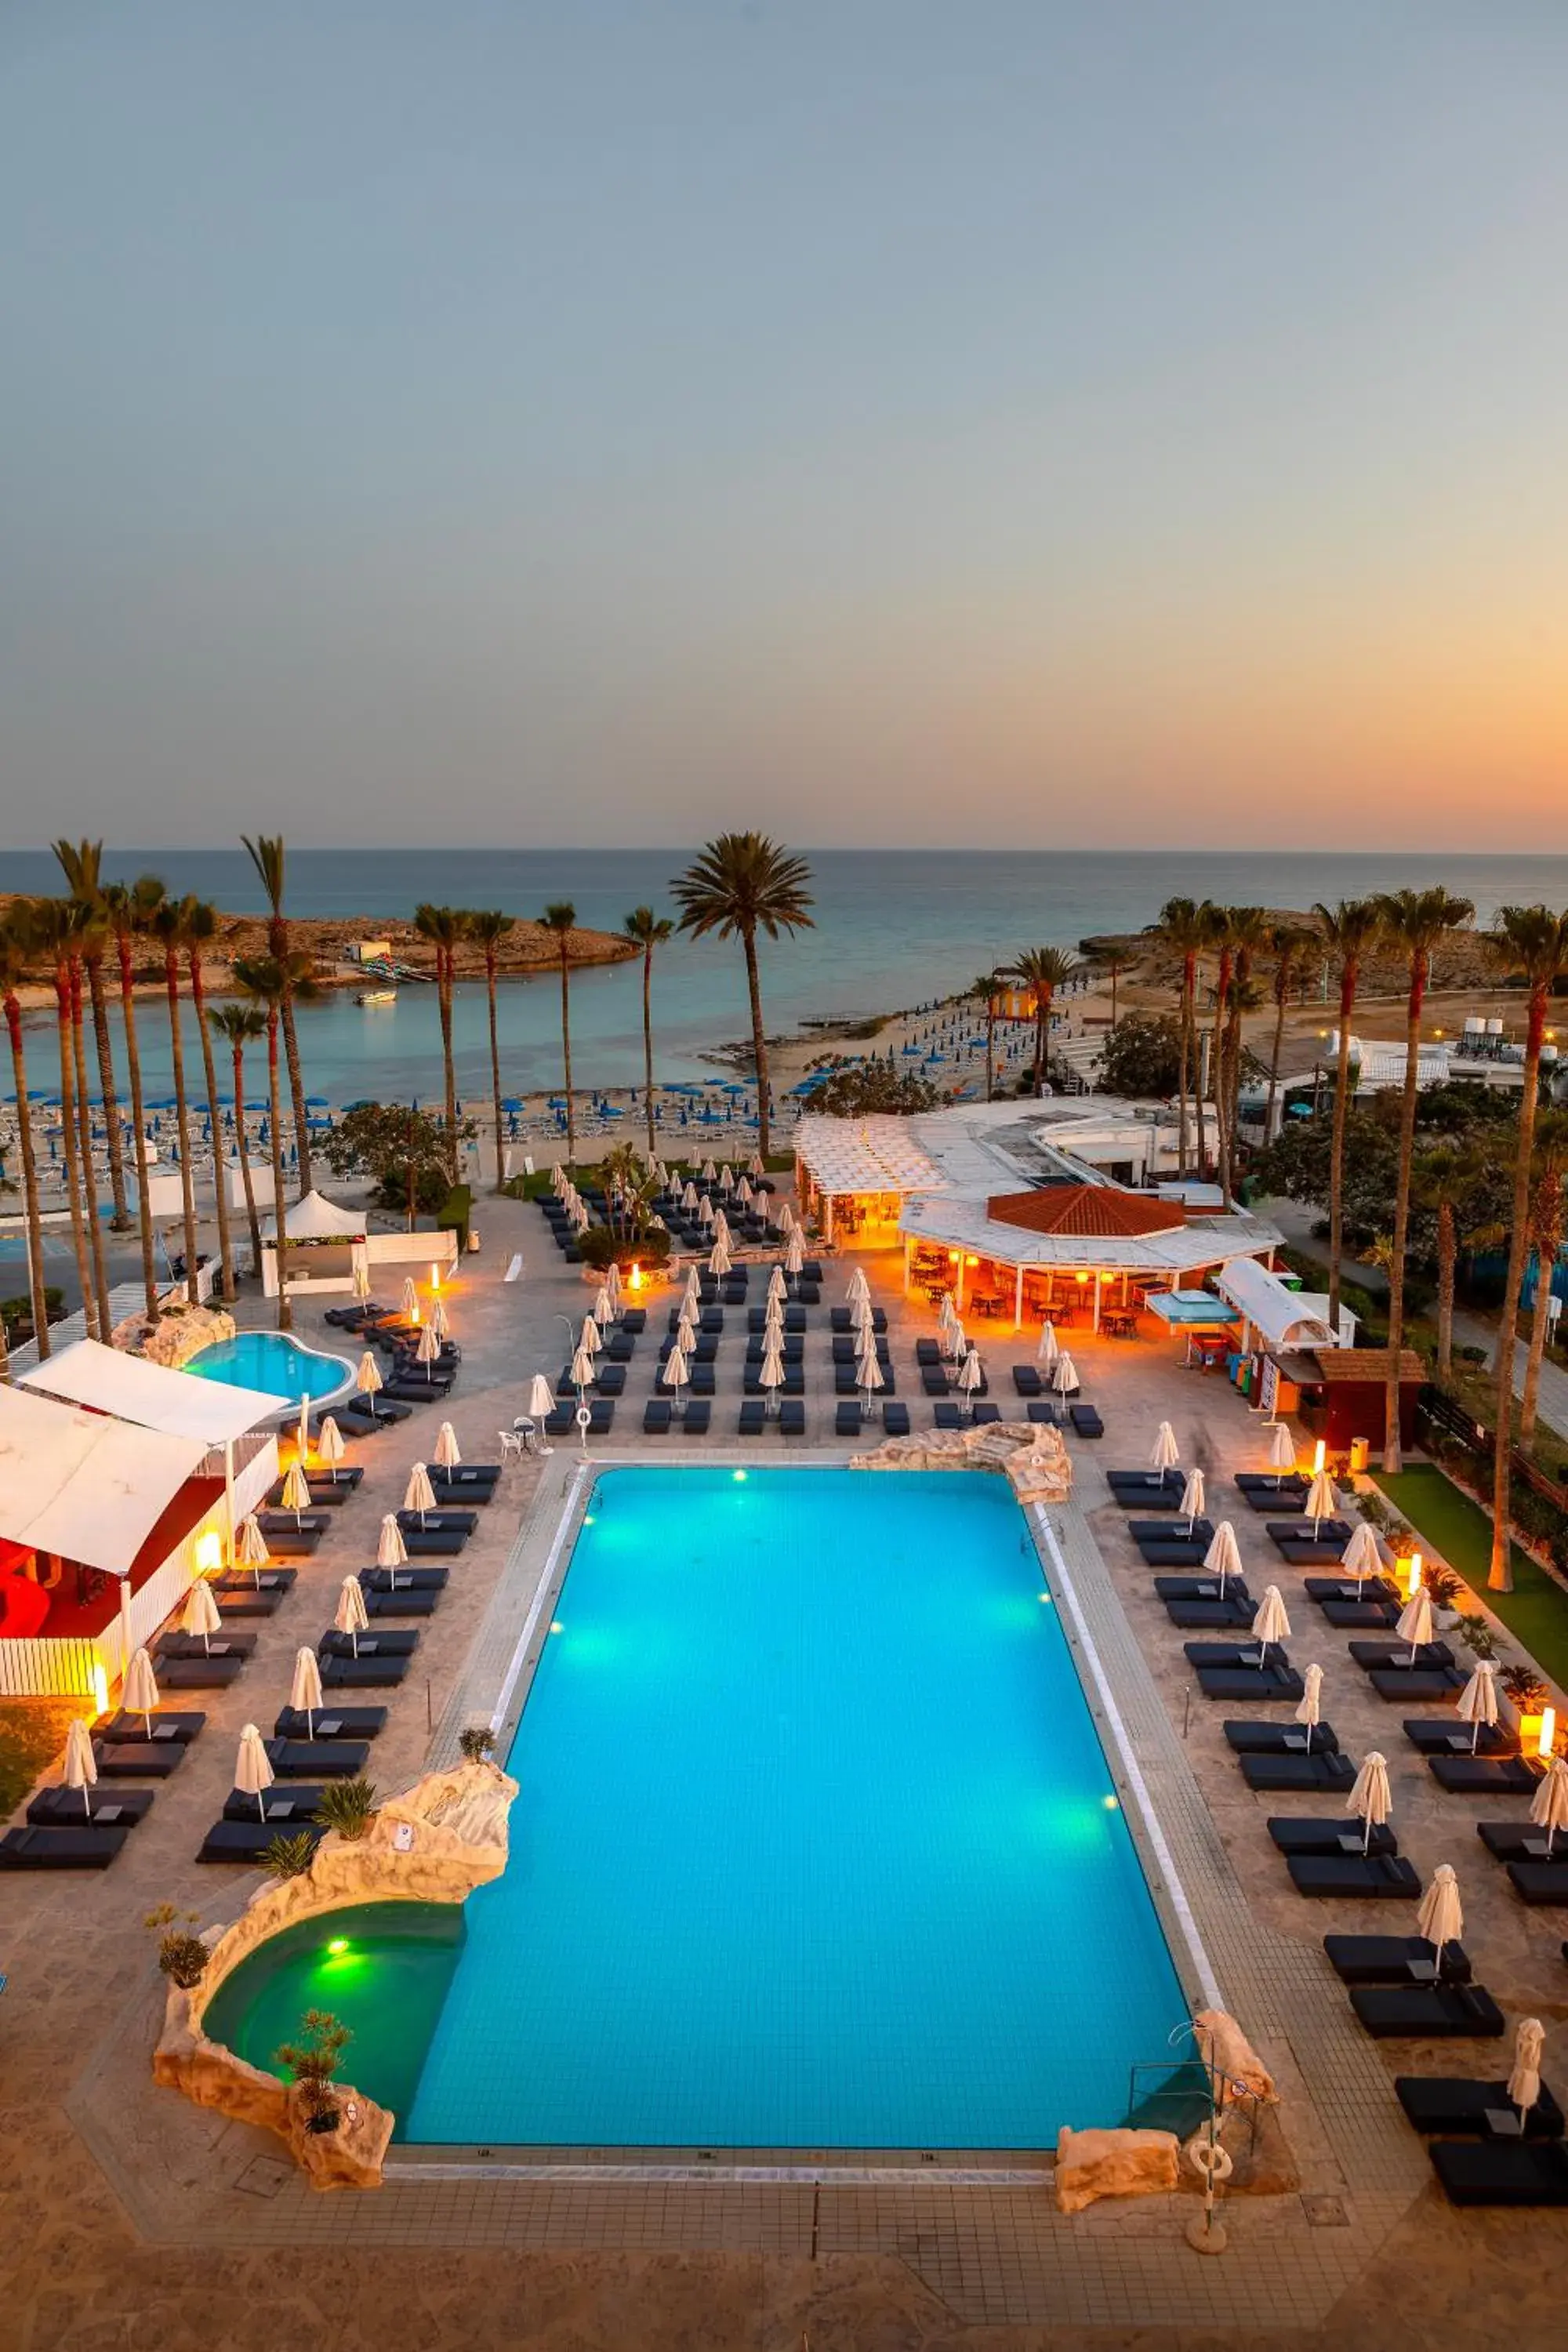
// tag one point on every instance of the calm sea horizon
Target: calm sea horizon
(893, 929)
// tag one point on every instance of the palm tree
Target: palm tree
(1531, 943)
(488, 928)
(128, 912)
(86, 924)
(264, 979)
(1184, 930)
(18, 947)
(1350, 933)
(1250, 934)
(1288, 944)
(988, 988)
(267, 855)
(738, 885)
(1445, 1180)
(1414, 922)
(1547, 1223)
(1042, 971)
(169, 927)
(1214, 921)
(54, 927)
(201, 930)
(561, 917)
(240, 1026)
(81, 864)
(445, 928)
(645, 929)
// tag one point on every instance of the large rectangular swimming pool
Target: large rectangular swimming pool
(816, 1847)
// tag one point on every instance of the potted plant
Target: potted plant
(1476, 1635)
(289, 1857)
(1529, 1696)
(182, 1955)
(312, 2061)
(1444, 1588)
(348, 1807)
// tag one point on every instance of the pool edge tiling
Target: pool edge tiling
(894, 1950)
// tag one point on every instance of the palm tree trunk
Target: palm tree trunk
(285, 1312)
(648, 1044)
(1183, 1058)
(297, 1095)
(225, 1244)
(1448, 1260)
(990, 1048)
(759, 1041)
(1529, 1404)
(566, 1055)
(1045, 1003)
(1500, 1575)
(182, 1117)
(1337, 1148)
(69, 1150)
(89, 1181)
(139, 1120)
(1039, 1043)
(1274, 1058)
(106, 1089)
(448, 1069)
(29, 1176)
(495, 1057)
(1393, 1447)
(244, 1175)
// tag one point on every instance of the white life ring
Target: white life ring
(1211, 2160)
(583, 1416)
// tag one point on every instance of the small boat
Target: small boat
(376, 996)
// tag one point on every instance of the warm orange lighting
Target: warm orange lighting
(1320, 1455)
(972, 1261)
(1083, 1277)
(414, 1312)
(209, 1554)
(99, 1690)
(435, 1277)
(633, 1280)
(953, 1257)
(1412, 1576)
(1548, 1739)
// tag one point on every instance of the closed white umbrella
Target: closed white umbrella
(296, 1492)
(1415, 1624)
(200, 1617)
(139, 1696)
(419, 1494)
(582, 1370)
(686, 1329)
(391, 1551)
(676, 1374)
(1281, 1452)
(603, 1306)
(785, 1220)
(1051, 1346)
(541, 1397)
(795, 1253)
(1371, 1800)
(368, 1376)
(81, 1765)
(410, 1295)
(361, 1279)
(352, 1617)
(439, 1318)
(946, 1313)
(692, 1294)
(1441, 1917)
(1064, 1379)
(709, 1171)
(704, 1211)
(950, 1339)
(1321, 1500)
(252, 1773)
(1361, 1555)
(305, 1691)
(251, 1548)
(719, 1259)
(1191, 1504)
(1166, 1453)
(1476, 1703)
(447, 1455)
(726, 1179)
(772, 1375)
(971, 1373)
(1310, 1710)
(589, 1336)
(1270, 1623)
(858, 1286)
(1222, 1557)
(689, 1196)
(1524, 2077)
(869, 1371)
(329, 1445)
(1549, 1806)
(612, 1285)
(721, 1227)
(428, 1348)
(744, 1195)
(778, 1288)
(755, 1164)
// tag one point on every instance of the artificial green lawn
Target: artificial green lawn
(1535, 1611)
(32, 1732)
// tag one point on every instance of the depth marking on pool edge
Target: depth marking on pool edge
(1207, 1981)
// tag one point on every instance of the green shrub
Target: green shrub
(477, 1742)
(1525, 1687)
(289, 1857)
(182, 1956)
(598, 1245)
(1477, 1636)
(348, 1807)
(312, 2061)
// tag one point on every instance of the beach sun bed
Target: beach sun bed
(1444, 1735)
(1211, 1615)
(137, 1759)
(328, 1723)
(1354, 1877)
(1540, 1882)
(1336, 1836)
(1521, 1841)
(385, 1642)
(1404, 1685)
(296, 1802)
(229, 1841)
(317, 1760)
(60, 1849)
(1279, 1739)
(1201, 1588)
(1396, 1960)
(1501, 2173)
(113, 1809)
(196, 1673)
(1262, 1684)
(1434, 2012)
(1450, 2102)
(1320, 1769)
(1483, 1776)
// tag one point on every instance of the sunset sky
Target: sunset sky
(1122, 424)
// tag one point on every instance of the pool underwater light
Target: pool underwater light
(338, 1944)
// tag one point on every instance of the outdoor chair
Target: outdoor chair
(896, 1420)
(695, 1421)
(753, 1418)
(656, 1418)
(792, 1418)
(60, 1849)
(847, 1421)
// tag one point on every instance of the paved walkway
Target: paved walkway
(1476, 1331)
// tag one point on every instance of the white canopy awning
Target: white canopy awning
(317, 1219)
(876, 1154)
(83, 1485)
(1281, 1316)
(132, 1388)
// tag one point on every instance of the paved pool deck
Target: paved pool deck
(132, 2219)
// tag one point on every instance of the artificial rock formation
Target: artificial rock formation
(1235, 2069)
(1095, 2164)
(179, 1333)
(1031, 1455)
(436, 1843)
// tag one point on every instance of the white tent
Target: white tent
(317, 1219)
(83, 1485)
(1282, 1317)
(151, 1395)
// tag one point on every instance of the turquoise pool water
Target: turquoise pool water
(815, 1845)
(272, 1361)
